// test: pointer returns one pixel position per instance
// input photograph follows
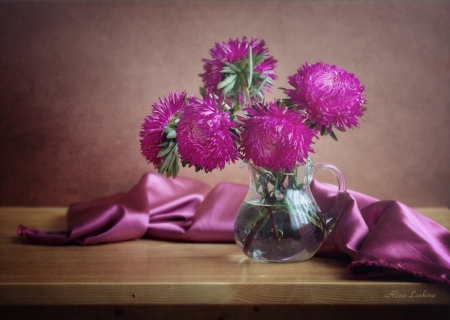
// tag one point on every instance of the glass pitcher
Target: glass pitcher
(279, 220)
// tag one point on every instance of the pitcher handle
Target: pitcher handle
(333, 215)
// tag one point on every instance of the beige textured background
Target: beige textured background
(77, 79)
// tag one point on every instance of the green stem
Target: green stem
(247, 96)
(251, 235)
(274, 225)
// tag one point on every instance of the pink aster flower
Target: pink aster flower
(165, 113)
(204, 137)
(329, 95)
(275, 137)
(233, 52)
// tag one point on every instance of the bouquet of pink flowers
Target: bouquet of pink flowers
(231, 119)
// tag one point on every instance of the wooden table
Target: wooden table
(163, 280)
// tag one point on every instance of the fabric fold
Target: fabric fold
(381, 238)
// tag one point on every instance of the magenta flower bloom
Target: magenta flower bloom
(165, 113)
(234, 52)
(275, 137)
(204, 137)
(329, 95)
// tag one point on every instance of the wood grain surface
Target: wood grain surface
(155, 274)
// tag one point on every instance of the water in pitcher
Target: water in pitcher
(276, 233)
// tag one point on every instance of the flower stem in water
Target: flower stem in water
(274, 225)
(251, 235)
(258, 226)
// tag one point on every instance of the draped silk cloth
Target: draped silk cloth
(382, 238)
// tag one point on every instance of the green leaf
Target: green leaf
(333, 135)
(185, 163)
(258, 76)
(257, 59)
(163, 144)
(168, 147)
(229, 87)
(287, 102)
(322, 131)
(172, 134)
(176, 168)
(168, 129)
(168, 172)
(227, 70)
(164, 152)
(263, 83)
(232, 66)
(260, 95)
(231, 79)
(202, 91)
(166, 163)
(243, 63)
(172, 163)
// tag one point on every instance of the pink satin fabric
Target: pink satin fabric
(382, 238)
